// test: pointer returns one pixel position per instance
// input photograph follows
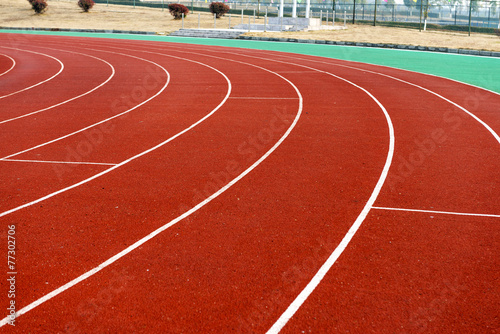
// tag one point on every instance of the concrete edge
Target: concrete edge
(379, 45)
(289, 40)
(105, 31)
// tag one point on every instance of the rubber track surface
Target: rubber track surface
(240, 260)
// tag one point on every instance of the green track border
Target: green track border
(475, 70)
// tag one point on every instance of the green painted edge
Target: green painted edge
(475, 70)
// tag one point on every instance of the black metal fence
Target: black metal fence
(482, 14)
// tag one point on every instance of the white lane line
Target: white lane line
(13, 64)
(73, 98)
(318, 277)
(438, 212)
(39, 83)
(300, 72)
(102, 121)
(300, 299)
(291, 310)
(61, 162)
(187, 213)
(262, 98)
(141, 241)
(495, 135)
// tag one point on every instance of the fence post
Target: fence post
(241, 15)
(199, 26)
(345, 17)
(182, 20)
(229, 21)
(426, 14)
(333, 19)
(265, 21)
(249, 23)
(470, 15)
(489, 14)
(375, 15)
(215, 21)
(420, 23)
(327, 17)
(354, 12)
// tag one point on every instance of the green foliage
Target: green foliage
(86, 5)
(177, 10)
(219, 9)
(39, 6)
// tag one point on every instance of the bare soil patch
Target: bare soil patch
(389, 35)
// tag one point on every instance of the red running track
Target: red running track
(168, 188)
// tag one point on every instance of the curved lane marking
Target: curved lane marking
(318, 277)
(300, 299)
(39, 83)
(100, 122)
(493, 133)
(13, 64)
(71, 99)
(184, 215)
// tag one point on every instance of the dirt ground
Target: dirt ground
(66, 14)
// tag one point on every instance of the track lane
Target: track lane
(478, 101)
(204, 294)
(346, 111)
(80, 88)
(138, 132)
(192, 126)
(57, 125)
(441, 119)
(473, 140)
(481, 176)
(16, 82)
(6, 66)
(410, 273)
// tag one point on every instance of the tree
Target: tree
(177, 10)
(39, 6)
(219, 9)
(86, 5)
